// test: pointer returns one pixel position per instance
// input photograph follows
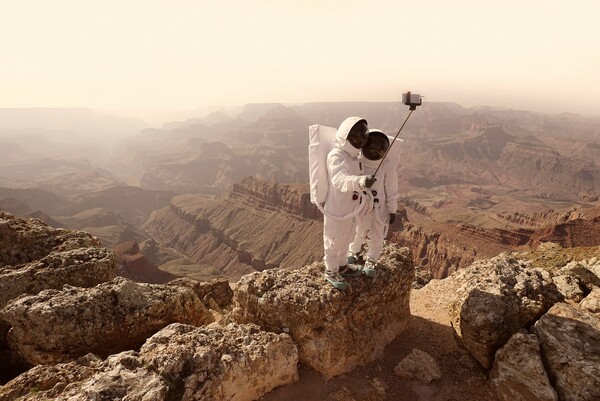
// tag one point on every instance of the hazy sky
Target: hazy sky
(176, 54)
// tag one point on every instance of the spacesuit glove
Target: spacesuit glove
(369, 181)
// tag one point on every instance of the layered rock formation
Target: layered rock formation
(82, 267)
(325, 323)
(258, 226)
(445, 247)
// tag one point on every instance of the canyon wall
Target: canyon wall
(257, 226)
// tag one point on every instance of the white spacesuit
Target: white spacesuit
(374, 223)
(346, 184)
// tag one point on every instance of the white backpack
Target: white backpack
(321, 139)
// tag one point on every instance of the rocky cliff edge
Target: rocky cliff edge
(197, 342)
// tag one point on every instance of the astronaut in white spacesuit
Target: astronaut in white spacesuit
(347, 182)
(374, 223)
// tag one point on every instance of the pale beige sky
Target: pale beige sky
(183, 54)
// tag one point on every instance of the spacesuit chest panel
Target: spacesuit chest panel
(357, 167)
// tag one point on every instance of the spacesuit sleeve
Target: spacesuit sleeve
(391, 187)
(339, 174)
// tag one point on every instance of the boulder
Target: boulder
(180, 362)
(236, 362)
(591, 303)
(570, 342)
(518, 373)
(59, 325)
(418, 365)
(335, 331)
(494, 299)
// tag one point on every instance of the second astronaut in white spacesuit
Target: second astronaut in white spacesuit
(374, 223)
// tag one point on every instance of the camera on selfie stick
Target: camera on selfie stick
(412, 100)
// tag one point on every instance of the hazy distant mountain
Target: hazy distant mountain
(253, 111)
(444, 145)
(83, 121)
(36, 198)
(71, 177)
(216, 117)
(192, 159)
(21, 209)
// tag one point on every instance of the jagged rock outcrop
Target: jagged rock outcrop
(23, 241)
(519, 374)
(48, 381)
(570, 342)
(59, 325)
(81, 267)
(334, 330)
(131, 264)
(180, 362)
(496, 298)
(229, 233)
(215, 292)
(577, 279)
(35, 257)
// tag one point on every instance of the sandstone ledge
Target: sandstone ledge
(335, 331)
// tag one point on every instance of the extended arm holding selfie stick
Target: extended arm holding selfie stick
(412, 101)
